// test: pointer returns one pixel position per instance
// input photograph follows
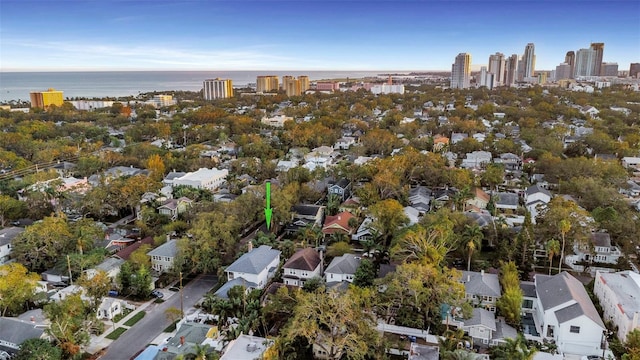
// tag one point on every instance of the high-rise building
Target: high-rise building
(497, 68)
(584, 63)
(511, 70)
(285, 78)
(461, 72)
(267, 83)
(486, 79)
(597, 62)
(563, 71)
(529, 60)
(570, 59)
(304, 83)
(217, 89)
(634, 70)
(292, 87)
(44, 99)
(609, 69)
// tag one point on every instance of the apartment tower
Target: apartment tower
(634, 70)
(267, 83)
(585, 59)
(461, 72)
(597, 62)
(497, 65)
(217, 89)
(570, 59)
(511, 70)
(529, 61)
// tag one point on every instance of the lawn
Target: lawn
(135, 318)
(120, 316)
(171, 327)
(116, 333)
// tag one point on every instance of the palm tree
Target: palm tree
(553, 249)
(514, 349)
(472, 236)
(452, 339)
(459, 354)
(564, 228)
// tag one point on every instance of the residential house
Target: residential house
(341, 189)
(305, 264)
(420, 199)
(619, 296)
(163, 256)
(188, 335)
(13, 332)
(479, 199)
(631, 189)
(6, 238)
(171, 176)
(631, 162)
(55, 276)
(440, 142)
(482, 218)
(256, 266)
(246, 347)
(506, 201)
(111, 266)
(536, 198)
(457, 137)
(480, 326)
(286, 165)
(364, 232)
(276, 121)
(482, 289)
(203, 178)
(125, 253)
(111, 307)
(412, 214)
(599, 250)
(476, 160)
(305, 215)
(565, 314)
(338, 224)
(510, 161)
(342, 268)
(344, 143)
(174, 207)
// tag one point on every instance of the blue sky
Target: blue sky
(305, 34)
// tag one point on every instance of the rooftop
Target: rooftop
(481, 283)
(345, 264)
(255, 261)
(554, 291)
(626, 286)
(8, 234)
(246, 347)
(168, 249)
(305, 259)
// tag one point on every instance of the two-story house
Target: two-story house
(565, 314)
(174, 207)
(256, 266)
(536, 198)
(6, 237)
(305, 215)
(482, 289)
(163, 256)
(599, 250)
(305, 264)
(338, 223)
(342, 268)
(341, 189)
(619, 295)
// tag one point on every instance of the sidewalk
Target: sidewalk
(100, 342)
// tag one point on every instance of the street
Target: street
(147, 329)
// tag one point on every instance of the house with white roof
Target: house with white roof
(276, 121)
(629, 161)
(203, 178)
(344, 143)
(619, 296)
(599, 250)
(476, 159)
(565, 314)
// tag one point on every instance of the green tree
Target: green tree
(510, 303)
(40, 245)
(632, 346)
(472, 237)
(388, 218)
(366, 273)
(17, 286)
(513, 349)
(97, 287)
(71, 323)
(564, 228)
(493, 176)
(11, 209)
(553, 249)
(38, 349)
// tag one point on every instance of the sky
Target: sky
(75, 35)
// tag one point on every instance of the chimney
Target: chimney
(482, 272)
(181, 340)
(468, 278)
(250, 246)
(168, 237)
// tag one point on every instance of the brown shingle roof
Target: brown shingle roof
(305, 259)
(126, 252)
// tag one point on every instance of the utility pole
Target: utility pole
(69, 267)
(181, 296)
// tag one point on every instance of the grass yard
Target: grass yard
(135, 318)
(171, 327)
(116, 333)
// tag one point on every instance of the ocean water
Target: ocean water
(18, 85)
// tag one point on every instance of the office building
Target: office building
(217, 89)
(609, 69)
(563, 71)
(497, 65)
(584, 63)
(597, 62)
(570, 59)
(44, 99)
(267, 83)
(486, 79)
(461, 72)
(634, 70)
(529, 60)
(511, 70)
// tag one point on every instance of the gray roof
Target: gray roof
(168, 249)
(536, 189)
(345, 264)
(504, 330)
(601, 239)
(8, 234)
(17, 331)
(110, 264)
(223, 292)
(626, 287)
(507, 199)
(424, 352)
(476, 283)
(481, 219)
(528, 289)
(255, 261)
(482, 317)
(563, 288)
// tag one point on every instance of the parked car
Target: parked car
(113, 293)
(157, 294)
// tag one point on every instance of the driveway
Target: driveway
(141, 334)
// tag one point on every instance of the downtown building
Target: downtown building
(497, 67)
(528, 64)
(461, 72)
(267, 83)
(511, 70)
(217, 89)
(295, 87)
(634, 70)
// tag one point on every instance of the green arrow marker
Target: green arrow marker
(267, 210)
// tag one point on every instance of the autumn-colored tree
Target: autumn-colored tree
(156, 166)
(96, 286)
(11, 209)
(71, 322)
(388, 217)
(40, 245)
(17, 286)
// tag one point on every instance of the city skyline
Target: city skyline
(308, 35)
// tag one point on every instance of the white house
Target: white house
(257, 266)
(364, 231)
(628, 162)
(6, 237)
(599, 251)
(565, 314)
(276, 121)
(342, 268)
(204, 178)
(476, 159)
(110, 307)
(305, 264)
(619, 295)
(163, 256)
(344, 143)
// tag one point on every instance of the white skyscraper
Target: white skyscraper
(585, 59)
(217, 89)
(497, 66)
(529, 60)
(461, 72)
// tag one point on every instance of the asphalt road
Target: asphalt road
(142, 333)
